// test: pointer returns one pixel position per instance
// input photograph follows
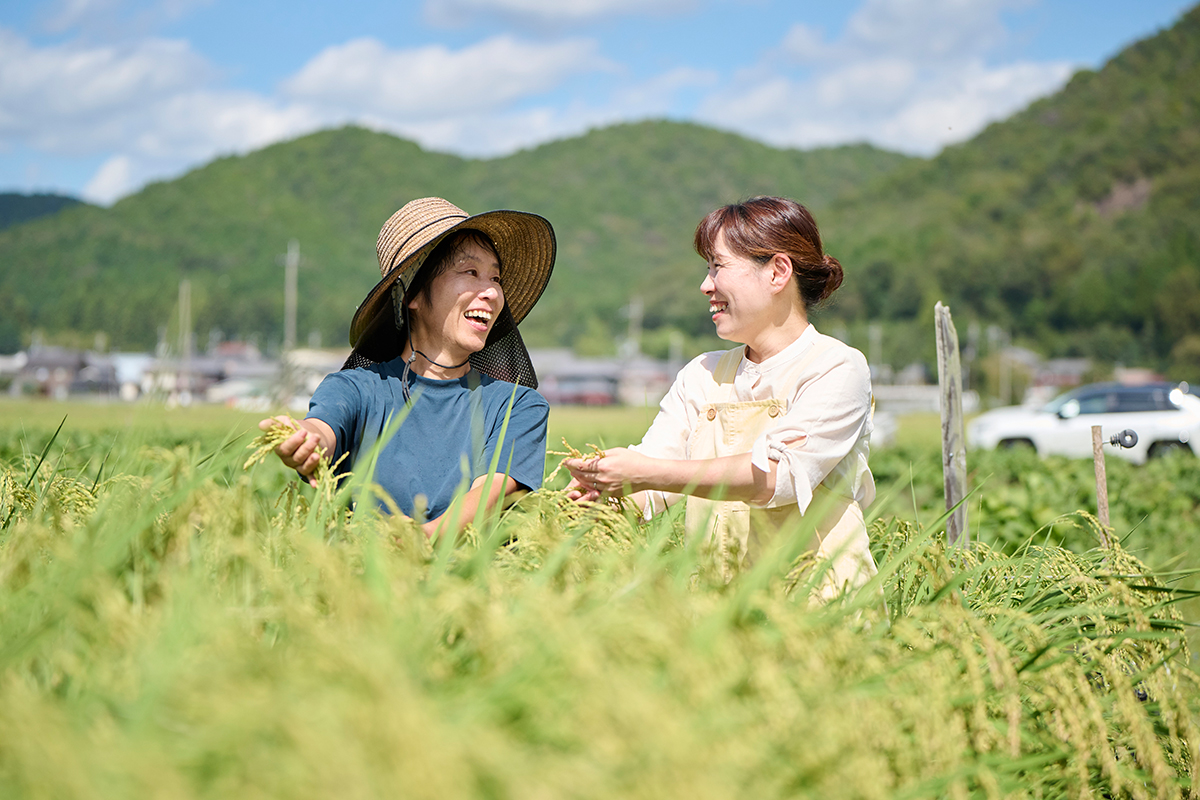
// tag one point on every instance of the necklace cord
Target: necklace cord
(413, 357)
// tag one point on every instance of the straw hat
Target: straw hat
(525, 245)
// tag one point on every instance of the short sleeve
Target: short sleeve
(338, 402)
(828, 417)
(523, 449)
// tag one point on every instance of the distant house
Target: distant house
(59, 371)
(261, 384)
(1060, 373)
(192, 379)
(98, 376)
(567, 379)
(10, 368)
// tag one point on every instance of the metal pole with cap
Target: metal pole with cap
(1125, 438)
(1101, 484)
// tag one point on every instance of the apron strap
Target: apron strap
(728, 364)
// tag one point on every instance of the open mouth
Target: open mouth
(716, 307)
(479, 317)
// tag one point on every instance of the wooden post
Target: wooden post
(954, 440)
(1101, 485)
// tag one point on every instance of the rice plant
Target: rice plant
(180, 627)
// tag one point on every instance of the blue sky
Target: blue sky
(98, 97)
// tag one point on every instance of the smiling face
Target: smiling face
(453, 318)
(740, 295)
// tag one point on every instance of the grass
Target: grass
(180, 627)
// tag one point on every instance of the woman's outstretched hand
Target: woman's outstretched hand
(618, 472)
(298, 451)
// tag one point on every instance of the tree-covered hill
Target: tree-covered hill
(1074, 222)
(623, 200)
(16, 208)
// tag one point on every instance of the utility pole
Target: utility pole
(291, 267)
(875, 344)
(184, 381)
(632, 345)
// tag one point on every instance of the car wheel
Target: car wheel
(1160, 449)
(1016, 444)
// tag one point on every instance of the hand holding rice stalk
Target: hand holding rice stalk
(581, 493)
(306, 454)
(571, 452)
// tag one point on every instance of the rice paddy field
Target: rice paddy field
(175, 625)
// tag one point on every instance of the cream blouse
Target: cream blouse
(823, 437)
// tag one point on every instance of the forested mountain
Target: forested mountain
(624, 202)
(1073, 225)
(16, 208)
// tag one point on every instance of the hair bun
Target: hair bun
(834, 278)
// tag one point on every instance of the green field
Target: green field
(174, 625)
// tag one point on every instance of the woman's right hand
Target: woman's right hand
(619, 471)
(298, 451)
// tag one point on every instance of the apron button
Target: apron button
(773, 411)
(712, 414)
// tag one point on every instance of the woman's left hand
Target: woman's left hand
(618, 472)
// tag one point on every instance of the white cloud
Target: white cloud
(68, 14)
(656, 94)
(908, 75)
(506, 131)
(806, 44)
(200, 124)
(881, 83)
(114, 20)
(151, 103)
(927, 30)
(111, 181)
(963, 108)
(539, 13)
(64, 99)
(147, 101)
(911, 75)
(365, 77)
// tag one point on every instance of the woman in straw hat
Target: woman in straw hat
(759, 436)
(437, 339)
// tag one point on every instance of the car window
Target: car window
(1095, 403)
(1164, 402)
(1057, 403)
(1137, 401)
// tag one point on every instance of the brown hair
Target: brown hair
(763, 226)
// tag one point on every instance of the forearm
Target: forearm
(480, 495)
(726, 478)
(621, 471)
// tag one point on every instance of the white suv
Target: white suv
(1165, 417)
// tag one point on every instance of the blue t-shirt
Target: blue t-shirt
(449, 421)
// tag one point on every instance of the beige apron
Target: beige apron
(734, 532)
